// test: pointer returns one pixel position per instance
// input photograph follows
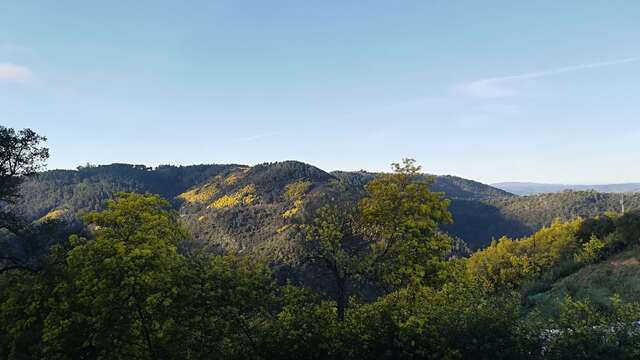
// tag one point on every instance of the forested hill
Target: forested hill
(243, 208)
(86, 188)
(53, 192)
(454, 187)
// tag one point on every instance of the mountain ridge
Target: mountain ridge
(239, 208)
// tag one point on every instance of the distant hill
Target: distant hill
(65, 193)
(241, 208)
(454, 187)
(529, 188)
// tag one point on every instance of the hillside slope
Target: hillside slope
(240, 208)
(536, 211)
(618, 275)
(253, 206)
(65, 193)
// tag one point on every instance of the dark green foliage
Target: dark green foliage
(455, 187)
(628, 227)
(86, 189)
(27, 248)
(132, 282)
(21, 156)
(600, 227)
(477, 223)
(539, 210)
(271, 178)
(581, 331)
(69, 193)
(481, 213)
(129, 292)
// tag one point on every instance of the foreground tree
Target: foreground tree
(582, 330)
(223, 306)
(126, 292)
(401, 216)
(21, 156)
(121, 286)
(335, 243)
(391, 234)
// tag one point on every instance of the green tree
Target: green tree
(116, 302)
(222, 307)
(303, 327)
(392, 234)
(509, 264)
(335, 242)
(460, 320)
(21, 156)
(582, 331)
(401, 217)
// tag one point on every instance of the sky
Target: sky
(545, 91)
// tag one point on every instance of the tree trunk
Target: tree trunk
(341, 298)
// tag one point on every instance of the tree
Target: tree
(21, 156)
(460, 320)
(401, 217)
(335, 242)
(121, 286)
(392, 233)
(223, 304)
(509, 264)
(582, 331)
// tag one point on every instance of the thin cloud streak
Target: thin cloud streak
(498, 87)
(15, 73)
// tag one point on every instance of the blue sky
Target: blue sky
(489, 90)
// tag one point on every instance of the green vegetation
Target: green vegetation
(397, 219)
(21, 156)
(540, 210)
(363, 268)
(286, 193)
(139, 287)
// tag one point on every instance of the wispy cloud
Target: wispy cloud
(505, 86)
(15, 73)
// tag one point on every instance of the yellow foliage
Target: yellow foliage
(509, 263)
(591, 251)
(199, 195)
(297, 206)
(249, 199)
(296, 189)
(52, 215)
(201, 218)
(282, 229)
(295, 192)
(231, 179)
(245, 196)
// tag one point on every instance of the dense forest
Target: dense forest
(286, 261)
(481, 213)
